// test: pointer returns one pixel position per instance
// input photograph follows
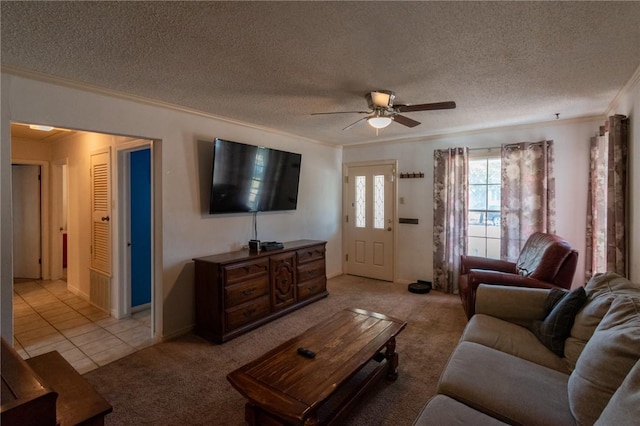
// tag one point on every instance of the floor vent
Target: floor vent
(99, 292)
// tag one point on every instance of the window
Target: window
(361, 201)
(378, 201)
(483, 211)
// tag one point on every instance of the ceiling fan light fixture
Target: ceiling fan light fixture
(381, 99)
(379, 122)
(40, 127)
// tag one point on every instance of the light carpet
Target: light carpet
(183, 381)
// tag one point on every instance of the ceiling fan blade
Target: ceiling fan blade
(342, 112)
(362, 120)
(426, 107)
(405, 121)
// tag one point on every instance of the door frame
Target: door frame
(345, 208)
(57, 215)
(123, 289)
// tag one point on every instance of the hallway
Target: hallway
(48, 317)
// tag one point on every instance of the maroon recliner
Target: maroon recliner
(546, 261)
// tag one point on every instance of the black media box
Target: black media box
(254, 246)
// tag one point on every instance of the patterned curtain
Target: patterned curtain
(606, 245)
(528, 194)
(450, 172)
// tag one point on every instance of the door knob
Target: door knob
(105, 218)
(389, 229)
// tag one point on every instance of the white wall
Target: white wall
(184, 230)
(571, 145)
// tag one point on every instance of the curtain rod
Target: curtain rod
(493, 148)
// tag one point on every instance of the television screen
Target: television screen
(248, 178)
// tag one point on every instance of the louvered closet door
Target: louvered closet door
(100, 210)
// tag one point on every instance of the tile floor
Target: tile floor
(48, 317)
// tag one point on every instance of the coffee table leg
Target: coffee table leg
(250, 414)
(392, 359)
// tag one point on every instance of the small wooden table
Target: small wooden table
(354, 349)
(78, 402)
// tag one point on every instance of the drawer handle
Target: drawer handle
(249, 312)
(249, 291)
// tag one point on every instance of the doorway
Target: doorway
(135, 183)
(27, 229)
(139, 243)
(63, 159)
(370, 210)
(59, 217)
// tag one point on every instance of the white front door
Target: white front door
(370, 228)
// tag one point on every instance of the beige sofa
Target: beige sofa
(501, 373)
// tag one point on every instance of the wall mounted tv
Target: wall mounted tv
(249, 178)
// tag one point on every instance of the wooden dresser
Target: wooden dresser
(239, 291)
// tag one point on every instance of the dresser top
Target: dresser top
(235, 256)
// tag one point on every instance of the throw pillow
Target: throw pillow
(556, 327)
(555, 295)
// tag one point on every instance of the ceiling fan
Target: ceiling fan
(382, 111)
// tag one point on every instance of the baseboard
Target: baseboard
(78, 293)
(142, 307)
(178, 333)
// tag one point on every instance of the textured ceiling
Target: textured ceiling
(272, 64)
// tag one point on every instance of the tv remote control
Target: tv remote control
(306, 353)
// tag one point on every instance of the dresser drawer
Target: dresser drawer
(312, 287)
(244, 271)
(310, 271)
(310, 254)
(247, 313)
(247, 290)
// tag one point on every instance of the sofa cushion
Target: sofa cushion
(601, 290)
(506, 387)
(610, 283)
(624, 406)
(584, 325)
(606, 359)
(442, 410)
(512, 339)
(520, 305)
(556, 327)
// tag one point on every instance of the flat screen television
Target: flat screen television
(249, 178)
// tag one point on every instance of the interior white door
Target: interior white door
(370, 230)
(26, 221)
(100, 212)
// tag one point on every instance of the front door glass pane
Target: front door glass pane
(361, 201)
(378, 202)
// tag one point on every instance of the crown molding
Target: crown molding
(626, 89)
(59, 81)
(86, 87)
(472, 132)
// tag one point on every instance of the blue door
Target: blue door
(140, 202)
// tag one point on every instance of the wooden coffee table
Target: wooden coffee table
(353, 350)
